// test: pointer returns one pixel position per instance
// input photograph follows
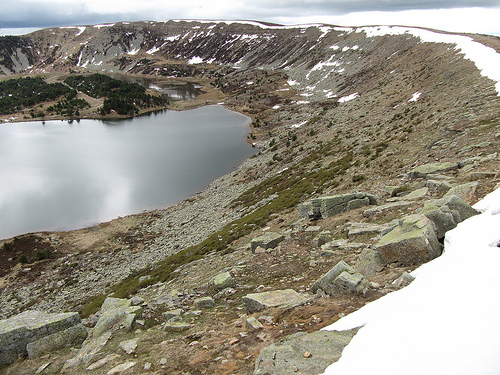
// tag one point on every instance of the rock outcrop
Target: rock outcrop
(276, 298)
(324, 207)
(426, 169)
(413, 241)
(447, 212)
(340, 279)
(303, 353)
(266, 241)
(33, 332)
(115, 313)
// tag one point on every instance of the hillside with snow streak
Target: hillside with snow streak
(324, 61)
(446, 320)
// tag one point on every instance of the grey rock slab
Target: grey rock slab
(325, 207)
(109, 320)
(364, 231)
(369, 262)
(442, 217)
(457, 206)
(465, 191)
(172, 314)
(276, 298)
(253, 324)
(342, 278)
(129, 346)
(72, 336)
(30, 326)
(321, 238)
(204, 302)
(42, 367)
(115, 314)
(121, 368)
(423, 170)
(136, 301)
(404, 280)
(90, 348)
(102, 362)
(222, 281)
(334, 245)
(438, 186)
(474, 176)
(266, 241)
(112, 303)
(417, 194)
(414, 241)
(447, 212)
(288, 356)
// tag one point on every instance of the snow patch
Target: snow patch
(329, 94)
(81, 30)
(348, 97)
(105, 25)
(195, 60)
(173, 38)
(153, 50)
(134, 51)
(295, 126)
(415, 97)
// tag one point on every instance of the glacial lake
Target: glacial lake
(61, 175)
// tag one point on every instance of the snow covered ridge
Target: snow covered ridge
(485, 58)
(446, 321)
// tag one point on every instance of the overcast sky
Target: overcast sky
(452, 15)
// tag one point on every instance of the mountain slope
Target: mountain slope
(335, 110)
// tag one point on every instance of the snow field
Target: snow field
(446, 321)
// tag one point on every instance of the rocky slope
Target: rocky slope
(335, 110)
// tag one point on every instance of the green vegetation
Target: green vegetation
(16, 94)
(23, 258)
(43, 254)
(122, 97)
(69, 107)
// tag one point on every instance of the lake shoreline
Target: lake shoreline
(210, 96)
(145, 209)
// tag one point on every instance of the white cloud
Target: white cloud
(457, 15)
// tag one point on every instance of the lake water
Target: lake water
(59, 175)
(173, 92)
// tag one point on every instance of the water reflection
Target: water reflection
(63, 176)
(174, 92)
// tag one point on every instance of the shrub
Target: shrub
(23, 258)
(358, 177)
(43, 254)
